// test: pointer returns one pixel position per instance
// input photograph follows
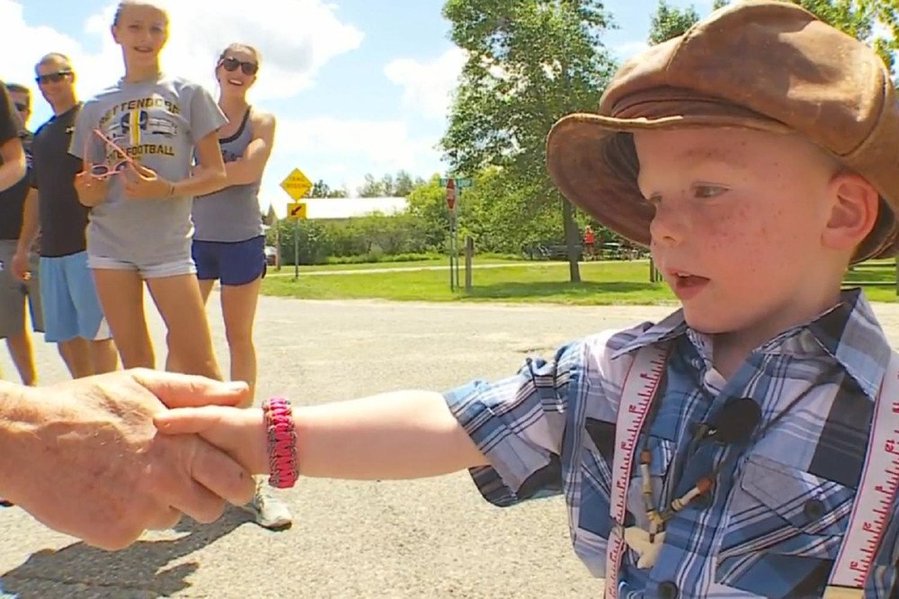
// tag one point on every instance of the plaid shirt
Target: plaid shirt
(775, 520)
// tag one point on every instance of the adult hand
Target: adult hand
(84, 457)
(20, 267)
(91, 191)
(142, 183)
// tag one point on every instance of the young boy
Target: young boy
(719, 452)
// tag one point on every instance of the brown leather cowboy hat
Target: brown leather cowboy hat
(766, 65)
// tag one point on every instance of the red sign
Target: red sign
(451, 193)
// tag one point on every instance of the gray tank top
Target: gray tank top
(230, 214)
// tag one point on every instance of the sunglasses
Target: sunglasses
(104, 170)
(230, 63)
(52, 77)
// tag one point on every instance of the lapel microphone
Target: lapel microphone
(733, 424)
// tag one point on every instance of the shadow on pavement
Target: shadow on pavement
(137, 572)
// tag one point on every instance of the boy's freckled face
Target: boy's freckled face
(738, 223)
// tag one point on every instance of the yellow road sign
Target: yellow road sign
(296, 184)
(296, 211)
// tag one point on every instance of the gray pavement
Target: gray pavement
(434, 537)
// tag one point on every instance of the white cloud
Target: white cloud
(331, 149)
(428, 86)
(629, 49)
(296, 39)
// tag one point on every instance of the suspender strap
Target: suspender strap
(876, 492)
(640, 387)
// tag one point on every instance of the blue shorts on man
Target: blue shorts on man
(71, 306)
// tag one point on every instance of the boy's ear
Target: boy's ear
(853, 211)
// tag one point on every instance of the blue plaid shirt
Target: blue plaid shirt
(774, 522)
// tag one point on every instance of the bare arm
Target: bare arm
(13, 167)
(251, 165)
(29, 221)
(211, 174)
(399, 435)
(26, 235)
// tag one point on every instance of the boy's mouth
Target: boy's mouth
(685, 284)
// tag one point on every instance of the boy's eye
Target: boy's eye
(707, 191)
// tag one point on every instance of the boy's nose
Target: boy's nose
(668, 226)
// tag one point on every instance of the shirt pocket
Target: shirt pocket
(781, 520)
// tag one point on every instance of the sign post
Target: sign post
(451, 206)
(296, 185)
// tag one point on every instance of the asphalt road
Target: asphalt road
(434, 537)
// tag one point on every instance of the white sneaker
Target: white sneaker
(268, 512)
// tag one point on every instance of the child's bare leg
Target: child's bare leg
(181, 306)
(121, 294)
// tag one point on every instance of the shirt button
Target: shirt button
(813, 509)
(668, 590)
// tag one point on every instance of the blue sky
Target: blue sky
(358, 86)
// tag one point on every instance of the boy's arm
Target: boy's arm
(398, 435)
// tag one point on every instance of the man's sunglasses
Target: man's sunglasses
(52, 77)
(104, 170)
(230, 63)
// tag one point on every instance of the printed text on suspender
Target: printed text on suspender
(640, 388)
(876, 494)
(873, 502)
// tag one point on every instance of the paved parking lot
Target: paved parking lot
(434, 537)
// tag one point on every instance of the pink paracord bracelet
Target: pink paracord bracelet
(282, 442)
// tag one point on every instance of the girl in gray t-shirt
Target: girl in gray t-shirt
(138, 139)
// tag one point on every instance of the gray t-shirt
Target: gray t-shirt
(157, 123)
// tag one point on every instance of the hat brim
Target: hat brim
(592, 160)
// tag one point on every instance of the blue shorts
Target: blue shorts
(234, 263)
(71, 306)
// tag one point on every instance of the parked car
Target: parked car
(550, 250)
(271, 255)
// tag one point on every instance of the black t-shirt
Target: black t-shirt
(12, 200)
(62, 217)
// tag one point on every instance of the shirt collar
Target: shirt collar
(848, 332)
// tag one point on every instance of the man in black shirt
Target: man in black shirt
(13, 292)
(72, 314)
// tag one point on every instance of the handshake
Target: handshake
(136, 445)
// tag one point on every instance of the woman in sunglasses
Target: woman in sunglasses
(138, 139)
(229, 244)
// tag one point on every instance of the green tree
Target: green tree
(371, 188)
(320, 189)
(529, 63)
(875, 22)
(670, 21)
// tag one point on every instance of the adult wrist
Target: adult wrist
(18, 420)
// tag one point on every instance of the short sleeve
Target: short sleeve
(10, 124)
(80, 136)
(519, 423)
(205, 115)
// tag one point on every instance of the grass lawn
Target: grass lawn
(603, 283)
(503, 280)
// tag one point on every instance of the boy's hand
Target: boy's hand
(142, 183)
(238, 432)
